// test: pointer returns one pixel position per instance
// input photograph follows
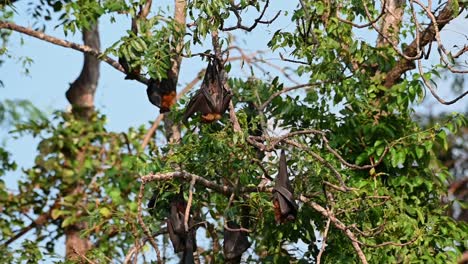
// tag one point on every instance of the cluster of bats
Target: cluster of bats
(212, 101)
(235, 239)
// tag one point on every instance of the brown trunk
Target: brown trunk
(391, 22)
(173, 130)
(81, 96)
(82, 90)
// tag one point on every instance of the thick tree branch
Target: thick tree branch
(66, 44)
(427, 36)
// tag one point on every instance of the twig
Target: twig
(189, 204)
(293, 61)
(437, 37)
(186, 176)
(427, 36)
(338, 224)
(139, 245)
(66, 44)
(285, 90)
(40, 221)
(372, 21)
(142, 223)
(432, 90)
(321, 160)
(324, 240)
(256, 21)
(83, 256)
(354, 166)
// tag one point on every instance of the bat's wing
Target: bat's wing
(182, 240)
(176, 240)
(162, 93)
(198, 103)
(283, 198)
(190, 246)
(175, 227)
(212, 86)
(235, 242)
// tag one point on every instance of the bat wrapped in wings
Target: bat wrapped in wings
(235, 243)
(283, 199)
(212, 99)
(182, 240)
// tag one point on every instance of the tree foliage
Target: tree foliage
(366, 173)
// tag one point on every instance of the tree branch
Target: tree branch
(66, 44)
(256, 21)
(427, 36)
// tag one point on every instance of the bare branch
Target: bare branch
(138, 246)
(66, 44)
(189, 204)
(285, 90)
(338, 224)
(373, 21)
(432, 90)
(223, 189)
(142, 223)
(324, 240)
(38, 222)
(256, 21)
(427, 36)
(321, 160)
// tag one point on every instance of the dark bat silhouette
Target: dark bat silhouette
(235, 243)
(183, 241)
(132, 73)
(283, 199)
(162, 93)
(212, 99)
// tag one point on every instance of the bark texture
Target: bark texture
(81, 97)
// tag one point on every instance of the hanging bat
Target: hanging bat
(162, 93)
(182, 240)
(235, 243)
(212, 99)
(283, 201)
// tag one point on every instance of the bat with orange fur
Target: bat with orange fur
(212, 99)
(283, 199)
(162, 93)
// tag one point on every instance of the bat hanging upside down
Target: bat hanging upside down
(212, 99)
(235, 243)
(283, 200)
(162, 93)
(182, 240)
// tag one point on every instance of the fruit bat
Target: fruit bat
(162, 93)
(132, 73)
(212, 99)
(235, 243)
(182, 240)
(283, 201)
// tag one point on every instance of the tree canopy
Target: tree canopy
(311, 149)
